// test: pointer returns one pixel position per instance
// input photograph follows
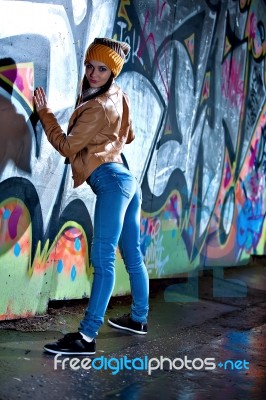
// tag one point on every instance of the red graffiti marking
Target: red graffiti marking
(160, 9)
(253, 152)
(150, 38)
(252, 26)
(233, 85)
(227, 175)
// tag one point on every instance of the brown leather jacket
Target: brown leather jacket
(97, 132)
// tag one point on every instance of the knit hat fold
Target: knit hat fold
(110, 52)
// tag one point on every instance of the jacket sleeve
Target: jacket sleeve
(127, 122)
(84, 129)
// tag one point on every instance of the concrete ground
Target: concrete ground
(223, 330)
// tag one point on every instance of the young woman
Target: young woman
(98, 129)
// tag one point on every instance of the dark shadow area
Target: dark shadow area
(15, 137)
(9, 48)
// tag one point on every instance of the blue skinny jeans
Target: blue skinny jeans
(116, 222)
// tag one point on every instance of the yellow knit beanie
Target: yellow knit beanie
(110, 52)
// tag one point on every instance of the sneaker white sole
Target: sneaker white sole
(126, 329)
(83, 353)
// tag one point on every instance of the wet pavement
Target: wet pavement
(213, 347)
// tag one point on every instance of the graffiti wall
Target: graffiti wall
(196, 79)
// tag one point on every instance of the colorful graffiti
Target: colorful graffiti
(196, 78)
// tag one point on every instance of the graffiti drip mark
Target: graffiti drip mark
(73, 273)
(77, 244)
(17, 249)
(13, 222)
(60, 266)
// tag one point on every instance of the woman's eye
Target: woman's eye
(102, 69)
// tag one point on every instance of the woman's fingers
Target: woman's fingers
(39, 99)
(40, 95)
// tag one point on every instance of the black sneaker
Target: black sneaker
(126, 323)
(72, 343)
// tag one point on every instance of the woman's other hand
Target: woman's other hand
(39, 99)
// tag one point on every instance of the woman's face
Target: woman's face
(97, 73)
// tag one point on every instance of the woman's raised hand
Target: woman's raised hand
(39, 99)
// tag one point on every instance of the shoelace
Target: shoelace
(126, 315)
(69, 338)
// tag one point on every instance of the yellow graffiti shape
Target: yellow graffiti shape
(190, 45)
(206, 87)
(244, 3)
(123, 13)
(227, 46)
